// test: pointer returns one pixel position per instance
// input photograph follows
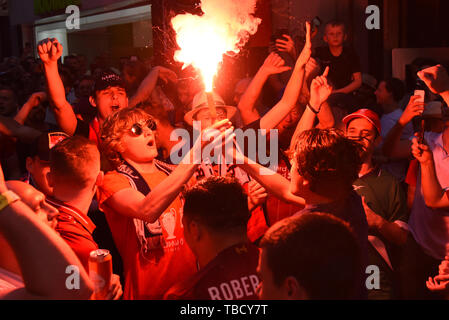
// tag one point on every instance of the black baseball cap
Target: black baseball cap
(108, 79)
(43, 144)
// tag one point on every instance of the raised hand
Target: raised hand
(257, 194)
(287, 45)
(413, 109)
(307, 50)
(444, 266)
(421, 152)
(50, 50)
(436, 78)
(438, 283)
(167, 75)
(274, 64)
(36, 98)
(320, 90)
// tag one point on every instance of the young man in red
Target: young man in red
(108, 96)
(74, 176)
(215, 218)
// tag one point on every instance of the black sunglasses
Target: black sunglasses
(137, 128)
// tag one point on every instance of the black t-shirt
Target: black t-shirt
(341, 68)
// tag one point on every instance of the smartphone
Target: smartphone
(418, 121)
(316, 23)
(421, 94)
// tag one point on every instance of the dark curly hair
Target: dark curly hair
(327, 160)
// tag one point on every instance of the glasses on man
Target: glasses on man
(137, 128)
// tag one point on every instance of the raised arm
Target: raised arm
(393, 146)
(437, 79)
(434, 195)
(149, 83)
(50, 50)
(273, 117)
(10, 127)
(151, 206)
(287, 45)
(42, 255)
(320, 90)
(273, 64)
(34, 100)
(273, 182)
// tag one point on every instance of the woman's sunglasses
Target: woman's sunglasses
(137, 128)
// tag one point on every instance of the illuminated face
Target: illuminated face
(364, 132)
(205, 118)
(109, 100)
(35, 200)
(39, 169)
(267, 289)
(139, 142)
(335, 35)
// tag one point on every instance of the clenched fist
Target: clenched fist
(50, 50)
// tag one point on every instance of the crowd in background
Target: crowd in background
(86, 152)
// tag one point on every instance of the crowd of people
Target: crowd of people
(360, 182)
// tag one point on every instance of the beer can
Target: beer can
(100, 272)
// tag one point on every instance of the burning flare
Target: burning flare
(224, 27)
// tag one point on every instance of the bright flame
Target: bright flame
(224, 27)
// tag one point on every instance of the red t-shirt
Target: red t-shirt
(150, 275)
(231, 275)
(76, 229)
(276, 210)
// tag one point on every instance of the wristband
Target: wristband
(6, 198)
(312, 109)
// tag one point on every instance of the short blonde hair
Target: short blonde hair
(113, 129)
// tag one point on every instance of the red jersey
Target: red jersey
(148, 275)
(76, 229)
(231, 275)
(275, 210)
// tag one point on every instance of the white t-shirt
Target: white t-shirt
(430, 227)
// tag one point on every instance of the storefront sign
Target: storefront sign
(44, 7)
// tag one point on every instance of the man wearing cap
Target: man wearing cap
(384, 202)
(109, 93)
(38, 160)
